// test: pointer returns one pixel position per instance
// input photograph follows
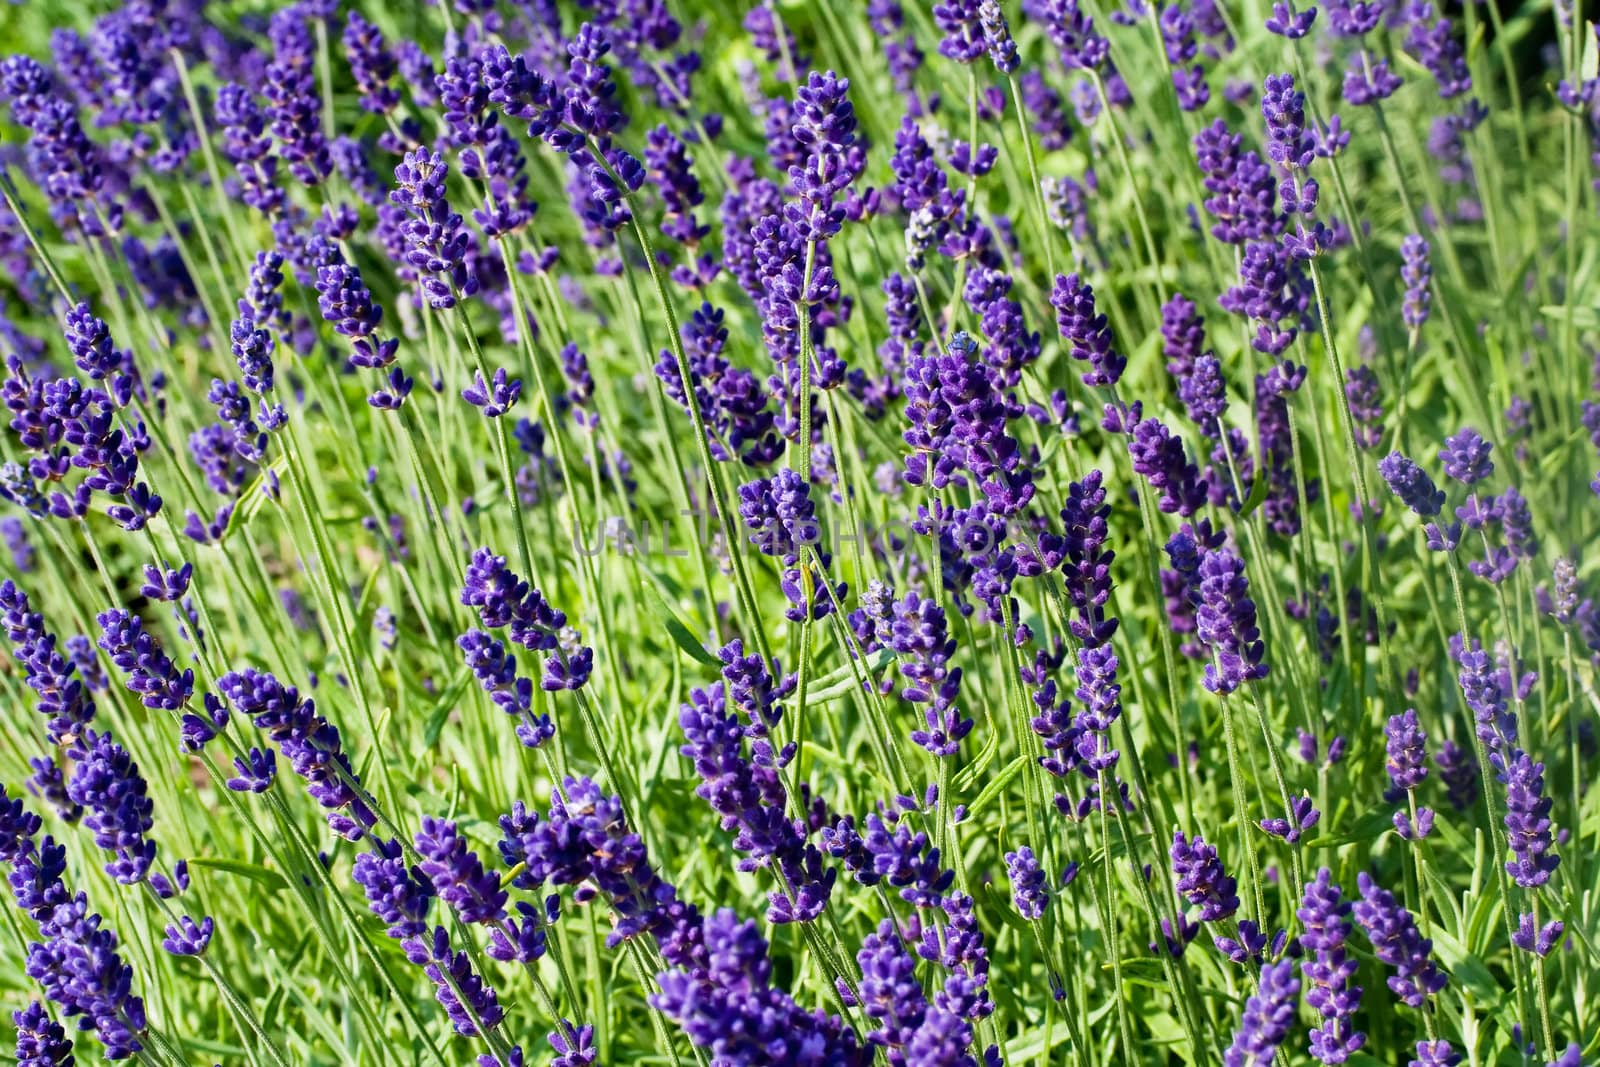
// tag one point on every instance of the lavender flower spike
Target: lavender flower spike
(1267, 1018)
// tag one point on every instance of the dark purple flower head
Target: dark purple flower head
(63, 696)
(1466, 457)
(398, 895)
(1365, 398)
(436, 241)
(1407, 751)
(825, 130)
(494, 397)
(1397, 943)
(1274, 292)
(187, 937)
(309, 742)
(732, 1009)
(1289, 142)
(1411, 484)
(1072, 33)
(1285, 22)
(997, 36)
(1432, 43)
(150, 672)
(919, 633)
(1329, 970)
(1086, 331)
(1529, 834)
(1241, 186)
(1159, 456)
(1201, 878)
(1301, 816)
(1028, 889)
(294, 108)
(1417, 273)
(457, 873)
(1226, 620)
(41, 1042)
(959, 21)
(1268, 1015)
(107, 784)
(1540, 941)
(372, 65)
(471, 1005)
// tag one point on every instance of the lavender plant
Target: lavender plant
(563, 533)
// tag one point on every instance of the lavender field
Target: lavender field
(816, 532)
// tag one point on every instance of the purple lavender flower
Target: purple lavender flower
(824, 128)
(63, 696)
(1226, 621)
(1087, 332)
(1540, 941)
(1267, 1017)
(1411, 484)
(586, 841)
(1243, 192)
(1435, 47)
(398, 895)
(1407, 751)
(1329, 971)
(672, 171)
(294, 108)
(41, 1042)
(107, 783)
(1285, 22)
(436, 241)
(372, 65)
(151, 674)
(1086, 562)
(1528, 826)
(1159, 456)
(919, 633)
(494, 397)
(76, 961)
(309, 742)
(1274, 292)
(1072, 33)
(246, 143)
(471, 1005)
(496, 671)
(1198, 373)
(1396, 942)
(1417, 273)
(1201, 878)
(1466, 457)
(188, 938)
(1368, 80)
(1365, 398)
(255, 771)
(1188, 76)
(1028, 889)
(344, 300)
(890, 991)
(457, 873)
(730, 1008)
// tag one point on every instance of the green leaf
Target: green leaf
(841, 680)
(272, 880)
(679, 631)
(1258, 493)
(1583, 316)
(254, 497)
(446, 704)
(996, 784)
(1370, 828)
